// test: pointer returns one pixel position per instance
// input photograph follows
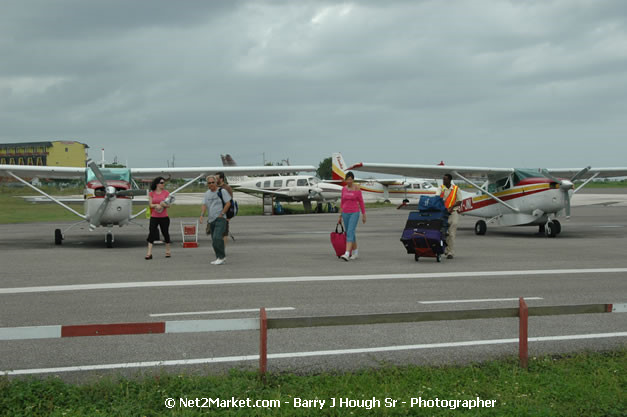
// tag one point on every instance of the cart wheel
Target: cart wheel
(438, 258)
(416, 257)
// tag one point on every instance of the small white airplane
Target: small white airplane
(108, 193)
(383, 189)
(286, 188)
(510, 196)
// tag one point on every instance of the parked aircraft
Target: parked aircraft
(286, 188)
(384, 188)
(108, 193)
(510, 196)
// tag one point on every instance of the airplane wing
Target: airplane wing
(191, 172)
(431, 171)
(259, 191)
(602, 172)
(30, 171)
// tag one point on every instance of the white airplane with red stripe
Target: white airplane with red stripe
(510, 196)
(386, 188)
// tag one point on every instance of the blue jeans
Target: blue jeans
(350, 223)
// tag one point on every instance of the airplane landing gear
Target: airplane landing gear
(109, 240)
(558, 227)
(550, 229)
(58, 237)
(481, 227)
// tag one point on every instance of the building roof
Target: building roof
(47, 144)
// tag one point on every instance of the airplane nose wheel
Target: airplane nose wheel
(550, 229)
(481, 227)
(109, 240)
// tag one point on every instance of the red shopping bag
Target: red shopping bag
(338, 240)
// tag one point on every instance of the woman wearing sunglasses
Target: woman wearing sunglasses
(158, 204)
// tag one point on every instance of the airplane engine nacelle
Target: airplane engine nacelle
(117, 212)
(299, 192)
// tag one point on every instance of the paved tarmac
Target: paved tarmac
(315, 282)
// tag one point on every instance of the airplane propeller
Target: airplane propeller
(567, 185)
(110, 194)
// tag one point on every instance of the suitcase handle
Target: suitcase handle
(340, 225)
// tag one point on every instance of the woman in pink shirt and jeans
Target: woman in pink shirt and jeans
(352, 204)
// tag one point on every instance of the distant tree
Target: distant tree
(325, 170)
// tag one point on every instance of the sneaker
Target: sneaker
(353, 257)
(449, 256)
(344, 257)
(219, 261)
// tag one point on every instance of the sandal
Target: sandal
(148, 257)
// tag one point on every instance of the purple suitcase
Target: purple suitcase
(421, 242)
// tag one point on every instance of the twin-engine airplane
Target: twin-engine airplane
(510, 196)
(386, 188)
(286, 188)
(109, 192)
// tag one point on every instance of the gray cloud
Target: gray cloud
(521, 83)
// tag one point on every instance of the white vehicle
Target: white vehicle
(108, 194)
(510, 196)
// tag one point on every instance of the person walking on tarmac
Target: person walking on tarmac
(452, 200)
(216, 217)
(352, 203)
(221, 178)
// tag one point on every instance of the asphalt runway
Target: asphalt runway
(40, 286)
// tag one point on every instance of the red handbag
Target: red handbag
(338, 240)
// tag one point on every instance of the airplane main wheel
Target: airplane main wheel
(58, 237)
(541, 229)
(481, 227)
(549, 229)
(109, 240)
(558, 227)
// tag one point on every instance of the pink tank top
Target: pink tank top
(156, 199)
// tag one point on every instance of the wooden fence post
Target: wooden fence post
(523, 321)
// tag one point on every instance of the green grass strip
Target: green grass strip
(585, 384)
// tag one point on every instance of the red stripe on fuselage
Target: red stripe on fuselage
(489, 201)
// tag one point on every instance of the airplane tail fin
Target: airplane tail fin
(338, 167)
(228, 161)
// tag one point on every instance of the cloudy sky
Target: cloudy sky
(470, 82)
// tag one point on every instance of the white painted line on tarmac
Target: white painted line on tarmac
(484, 300)
(330, 278)
(242, 310)
(304, 354)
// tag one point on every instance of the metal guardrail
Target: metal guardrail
(264, 324)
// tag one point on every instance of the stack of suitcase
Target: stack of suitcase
(425, 230)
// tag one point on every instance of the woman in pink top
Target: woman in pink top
(158, 204)
(352, 204)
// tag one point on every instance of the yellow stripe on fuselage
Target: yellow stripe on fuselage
(515, 190)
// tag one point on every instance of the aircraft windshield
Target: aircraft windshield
(113, 174)
(313, 181)
(523, 173)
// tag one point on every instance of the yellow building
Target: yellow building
(55, 153)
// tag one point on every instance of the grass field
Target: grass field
(14, 209)
(587, 384)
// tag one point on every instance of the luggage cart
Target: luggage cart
(189, 231)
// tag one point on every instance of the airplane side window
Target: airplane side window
(266, 183)
(278, 183)
(290, 183)
(258, 185)
(301, 182)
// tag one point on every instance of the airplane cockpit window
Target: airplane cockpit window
(290, 183)
(502, 184)
(278, 183)
(427, 185)
(258, 185)
(301, 182)
(266, 183)
(113, 174)
(313, 180)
